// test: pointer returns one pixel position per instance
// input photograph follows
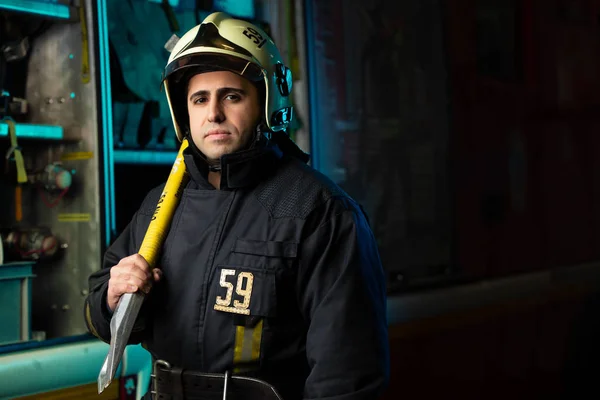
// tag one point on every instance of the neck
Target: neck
(214, 178)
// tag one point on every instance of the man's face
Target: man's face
(224, 111)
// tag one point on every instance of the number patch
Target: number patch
(243, 288)
(255, 36)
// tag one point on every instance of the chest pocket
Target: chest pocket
(247, 282)
(268, 255)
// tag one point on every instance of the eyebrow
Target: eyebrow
(220, 92)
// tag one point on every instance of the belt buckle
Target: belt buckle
(165, 366)
(157, 364)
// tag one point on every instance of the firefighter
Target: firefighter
(269, 269)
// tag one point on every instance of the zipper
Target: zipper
(209, 273)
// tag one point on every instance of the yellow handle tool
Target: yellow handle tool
(15, 150)
(85, 54)
(129, 304)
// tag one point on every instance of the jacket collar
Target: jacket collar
(241, 169)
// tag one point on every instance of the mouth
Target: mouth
(217, 134)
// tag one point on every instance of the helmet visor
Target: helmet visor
(198, 63)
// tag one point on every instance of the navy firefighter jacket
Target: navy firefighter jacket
(278, 273)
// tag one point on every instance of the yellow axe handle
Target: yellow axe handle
(165, 208)
(123, 319)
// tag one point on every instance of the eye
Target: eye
(232, 97)
(199, 100)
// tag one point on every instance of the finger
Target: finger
(134, 262)
(141, 262)
(122, 281)
(157, 274)
(117, 289)
(137, 258)
(141, 283)
(125, 272)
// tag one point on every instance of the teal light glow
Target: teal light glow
(32, 131)
(72, 95)
(45, 8)
(145, 157)
(71, 56)
(107, 123)
(313, 84)
(172, 3)
(238, 8)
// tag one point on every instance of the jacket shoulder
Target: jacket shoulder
(295, 190)
(151, 200)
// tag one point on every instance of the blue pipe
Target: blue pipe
(44, 8)
(52, 368)
(311, 60)
(107, 122)
(33, 131)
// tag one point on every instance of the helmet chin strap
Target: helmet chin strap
(261, 133)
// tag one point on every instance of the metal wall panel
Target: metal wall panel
(59, 95)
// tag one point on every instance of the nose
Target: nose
(215, 111)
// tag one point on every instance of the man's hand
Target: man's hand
(128, 276)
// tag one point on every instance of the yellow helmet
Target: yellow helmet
(221, 42)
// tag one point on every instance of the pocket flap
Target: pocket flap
(266, 248)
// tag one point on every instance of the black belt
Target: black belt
(170, 383)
